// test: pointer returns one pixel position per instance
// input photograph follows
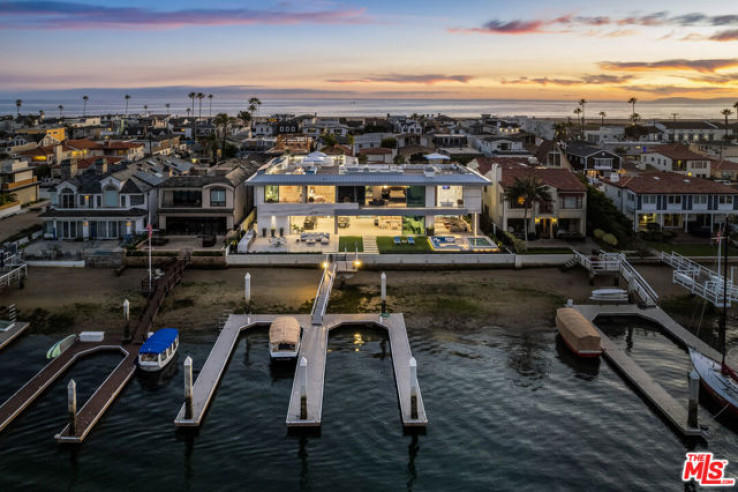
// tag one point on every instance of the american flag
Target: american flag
(150, 229)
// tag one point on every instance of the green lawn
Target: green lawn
(386, 244)
(688, 249)
(350, 243)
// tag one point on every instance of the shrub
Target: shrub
(610, 240)
(517, 245)
(598, 233)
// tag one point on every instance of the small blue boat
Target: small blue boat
(158, 350)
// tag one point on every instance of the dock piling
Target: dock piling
(127, 316)
(188, 387)
(303, 388)
(247, 291)
(694, 396)
(384, 293)
(413, 388)
(72, 406)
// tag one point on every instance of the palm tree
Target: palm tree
(200, 96)
(632, 101)
(578, 112)
(726, 112)
(61, 108)
(560, 131)
(188, 112)
(146, 109)
(245, 116)
(635, 118)
(602, 115)
(210, 100)
(127, 98)
(84, 105)
(192, 95)
(581, 103)
(167, 105)
(41, 114)
(222, 121)
(254, 104)
(526, 191)
(736, 110)
(18, 104)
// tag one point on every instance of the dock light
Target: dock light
(325, 265)
(357, 263)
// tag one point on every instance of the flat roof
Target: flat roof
(288, 170)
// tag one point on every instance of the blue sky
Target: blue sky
(464, 49)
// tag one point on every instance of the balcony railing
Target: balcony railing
(18, 184)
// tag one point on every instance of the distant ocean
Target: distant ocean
(104, 102)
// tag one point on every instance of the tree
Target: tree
(61, 108)
(18, 104)
(582, 103)
(635, 118)
(527, 191)
(127, 98)
(328, 139)
(84, 105)
(245, 116)
(200, 97)
(726, 112)
(398, 159)
(222, 122)
(146, 109)
(736, 110)
(632, 101)
(192, 96)
(41, 114)
(560, 131)
(578, 112)
(389, 143)
(254, 104)
(167, 105)
(210, 100)
(602, 115)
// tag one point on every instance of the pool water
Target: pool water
(458, 243)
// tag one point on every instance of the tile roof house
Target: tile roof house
(676, 158)
(671, 200)
(590, 160)
(565, 215)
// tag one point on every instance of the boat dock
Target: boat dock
(11, 332)
(86, 418)
(674, 412)
(313, 349)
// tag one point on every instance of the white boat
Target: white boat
(284, 338)
(158, 350)
(609, 295)
(717, 380)
(717, 377)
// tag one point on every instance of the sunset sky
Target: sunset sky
(461, 49)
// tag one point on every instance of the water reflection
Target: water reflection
(302, 454)
(584, 367)
(412, 452)
(527, 357)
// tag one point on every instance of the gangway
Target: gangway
(700, 280)
(617, 264)
(320, 305)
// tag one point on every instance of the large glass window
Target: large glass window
(187, 198)
(217, 197)
(570, 201)
(322, 194)
(351, 194)
(271, 194)
(416, 196)
(449, 196)
(290, 194)
(66, 199)
(137, 200)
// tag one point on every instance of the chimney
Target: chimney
(101, 166)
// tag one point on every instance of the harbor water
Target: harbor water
(507, 411)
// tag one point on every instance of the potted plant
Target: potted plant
(273, 230)
(281, 232)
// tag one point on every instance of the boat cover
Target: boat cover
(159, 341)
(577, 330)
(284, 329)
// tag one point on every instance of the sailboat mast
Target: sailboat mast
(725, 291)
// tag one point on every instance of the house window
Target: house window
(137, 200)
(271, 194)
(110, 197)
(725, 199)
(674, 199)
(570, 201)
(699, 200)
(66, 199)
(601, 163)
(218, 197)
(630, 197)
(649, 200)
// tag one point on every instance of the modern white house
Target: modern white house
(676, 158)
(671, 200)
(335, 194)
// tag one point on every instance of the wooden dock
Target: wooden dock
(674, 412)
(10, 334)
(28, 393)
(313, 348)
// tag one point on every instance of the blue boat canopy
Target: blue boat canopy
(159, 341)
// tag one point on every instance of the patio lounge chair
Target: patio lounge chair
(398, 240)
(411, 241)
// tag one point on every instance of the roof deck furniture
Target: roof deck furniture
(411, 241)
(398, 240)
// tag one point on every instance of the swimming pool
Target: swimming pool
(476, 244)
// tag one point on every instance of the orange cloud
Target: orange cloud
(703, 66)
(427, 79)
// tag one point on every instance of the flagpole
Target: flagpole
(148, 227)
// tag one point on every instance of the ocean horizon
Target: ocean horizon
(109, 101)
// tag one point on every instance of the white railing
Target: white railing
(616, 263)
(323, 294)
(699, 280)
